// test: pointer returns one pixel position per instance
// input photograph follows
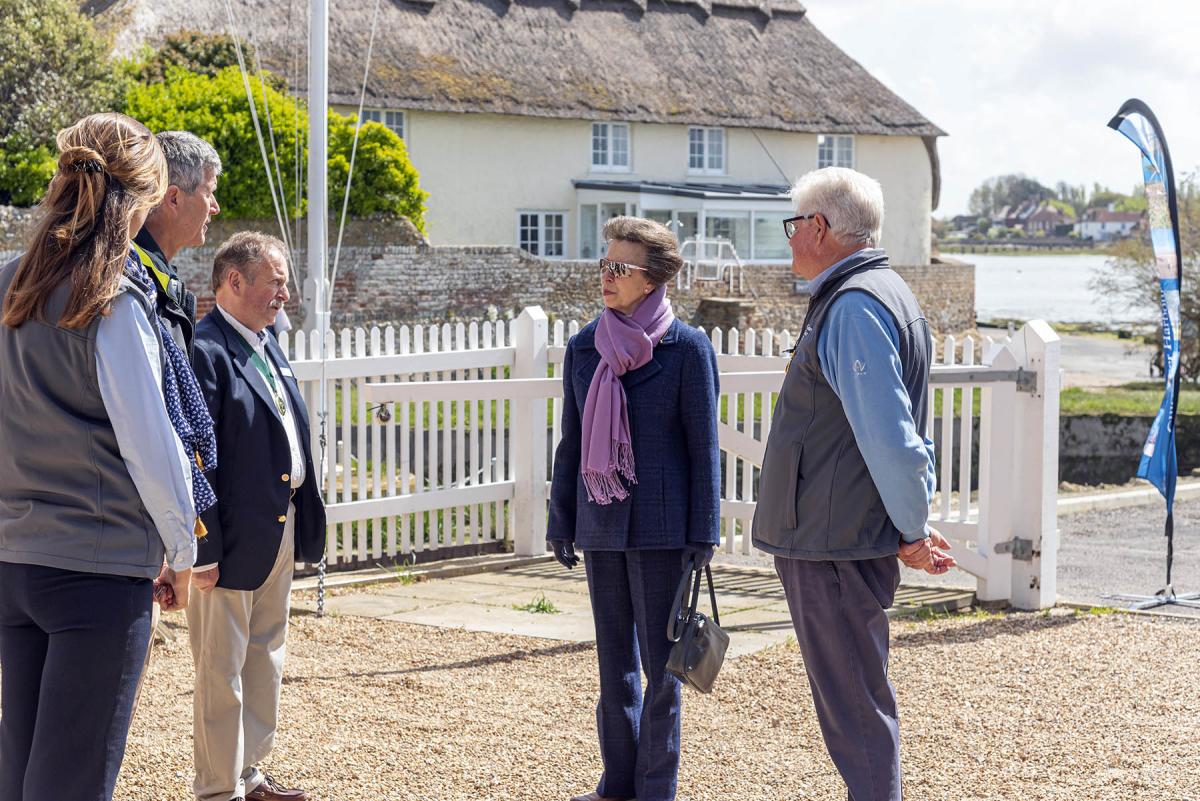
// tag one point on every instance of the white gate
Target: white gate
(442, 436)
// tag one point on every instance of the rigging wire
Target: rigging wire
(237, 45)
(278, 176)
(362, 97)
(262, 85)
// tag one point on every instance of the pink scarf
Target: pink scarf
(625, 342)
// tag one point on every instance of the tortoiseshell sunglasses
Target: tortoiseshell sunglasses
(618, 269)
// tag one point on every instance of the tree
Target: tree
(196, 52)
(1006, 190)
(57, 69)
(1075, 196)
(215, 109)
(1062, 205)
(1130, 280)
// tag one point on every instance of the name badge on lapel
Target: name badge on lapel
(287, 371)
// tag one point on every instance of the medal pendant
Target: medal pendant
(279, 404)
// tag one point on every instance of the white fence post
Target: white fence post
(1035, 512)
(527, 426)
(997, 430)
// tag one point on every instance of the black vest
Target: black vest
(173, 303)
(816, 497)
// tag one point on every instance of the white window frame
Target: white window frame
(840, 147)
(605, 132)
(706, 151)
(393, 119)
(541, 215)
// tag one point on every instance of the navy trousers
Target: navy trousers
(839, 613)
(632, 593)
(72, 646)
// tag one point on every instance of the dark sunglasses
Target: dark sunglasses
(789, 225)
(618, 269)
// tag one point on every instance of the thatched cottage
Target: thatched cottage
(532, 121)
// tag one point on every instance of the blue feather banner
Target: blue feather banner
(1135, 120)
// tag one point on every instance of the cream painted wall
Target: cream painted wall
(482, 169)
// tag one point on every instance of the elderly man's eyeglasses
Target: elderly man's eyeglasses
(618, 269)
(789, 225)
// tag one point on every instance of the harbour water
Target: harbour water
(1048, 287)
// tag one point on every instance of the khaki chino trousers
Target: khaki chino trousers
(237, 640)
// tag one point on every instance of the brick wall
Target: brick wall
(412, 284)
(380, 283)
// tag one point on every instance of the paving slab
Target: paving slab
(754, 608)
(500, 620)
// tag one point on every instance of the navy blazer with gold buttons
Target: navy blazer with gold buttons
(251, 480)
(672, 403)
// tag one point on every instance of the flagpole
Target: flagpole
(317, 285)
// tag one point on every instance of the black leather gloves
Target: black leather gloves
(698, 555)
(564, 552)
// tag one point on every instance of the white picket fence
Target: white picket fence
(440, 437)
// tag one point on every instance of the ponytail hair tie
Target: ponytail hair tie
(88, 165)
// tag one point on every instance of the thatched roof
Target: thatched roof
(740, 63)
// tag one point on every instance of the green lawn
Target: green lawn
(1141, 398)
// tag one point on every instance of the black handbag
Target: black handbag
(700, 643)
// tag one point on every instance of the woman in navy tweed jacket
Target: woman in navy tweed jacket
(641, 520)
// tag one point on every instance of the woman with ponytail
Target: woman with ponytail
(636, 486)
(103, 431)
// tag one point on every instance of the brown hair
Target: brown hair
(662, 250)
(110, 168)
(243, 252)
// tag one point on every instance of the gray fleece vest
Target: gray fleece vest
(66, 498)
(816, 498)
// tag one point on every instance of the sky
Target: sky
(1028, 86)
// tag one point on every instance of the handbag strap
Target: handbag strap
(678, 619)
(712, 594)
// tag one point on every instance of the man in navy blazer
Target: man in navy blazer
(268, 515)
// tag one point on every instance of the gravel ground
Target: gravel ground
(1102, 552)
(1124, 551)
(1023, 706)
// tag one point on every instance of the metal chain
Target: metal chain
(321, 564)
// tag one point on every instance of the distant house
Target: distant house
(1104, 225)
(532, 122)
(964, 222)
(1048, 220)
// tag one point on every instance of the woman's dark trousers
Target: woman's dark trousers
(632, 593)
(72, 647)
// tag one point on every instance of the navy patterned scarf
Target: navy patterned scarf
(185, 405)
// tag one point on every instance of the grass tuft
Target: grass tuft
(538, 606)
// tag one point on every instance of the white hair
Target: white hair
(850, 202)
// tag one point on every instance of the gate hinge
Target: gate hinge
(1019, 547)
(1026, 380)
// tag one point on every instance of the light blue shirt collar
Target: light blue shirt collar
(814, 286)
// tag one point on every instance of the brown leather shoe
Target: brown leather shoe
(270, 791)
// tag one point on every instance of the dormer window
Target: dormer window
(835, 151)
(706, 151)
(610, 147)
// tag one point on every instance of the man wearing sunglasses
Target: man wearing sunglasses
(848, 475)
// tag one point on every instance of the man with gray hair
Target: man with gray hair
(180, 221)
(848, 475)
